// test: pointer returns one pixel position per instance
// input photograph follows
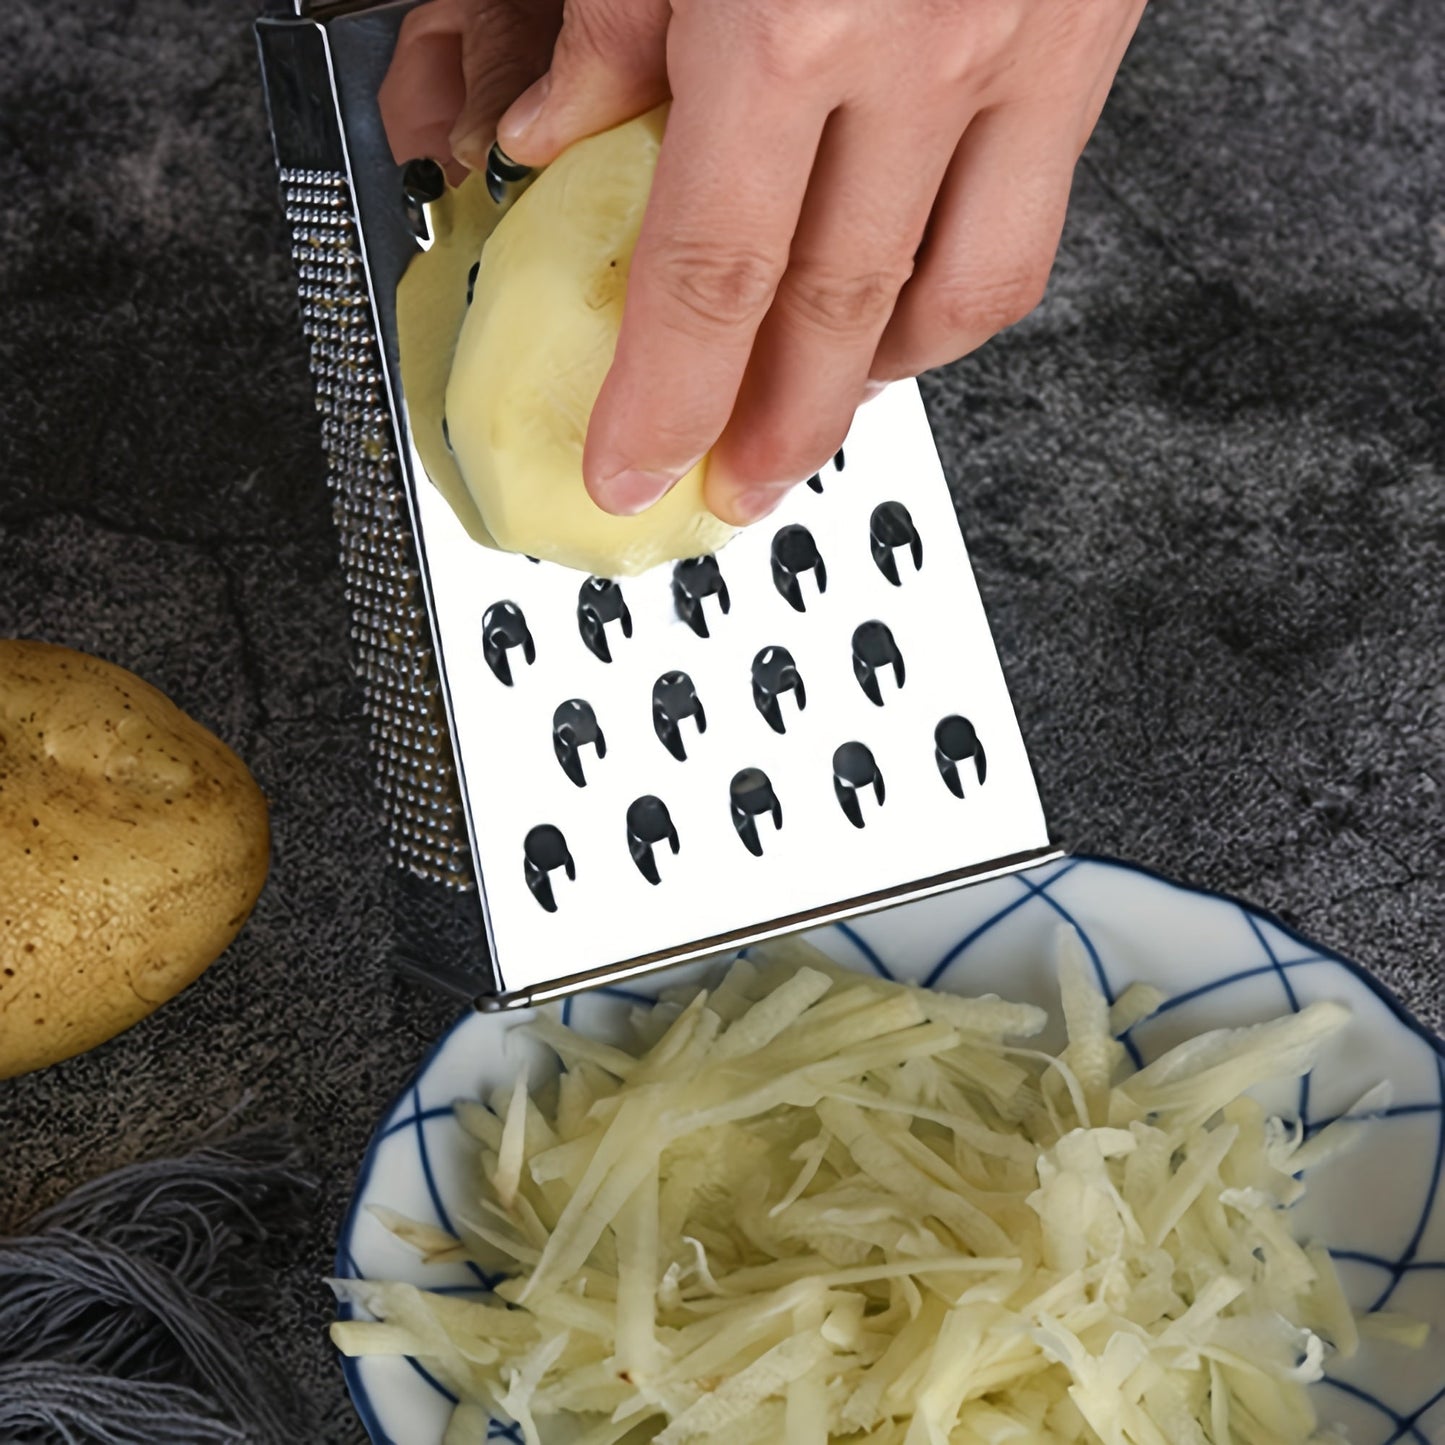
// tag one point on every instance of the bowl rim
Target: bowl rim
(343, 1264)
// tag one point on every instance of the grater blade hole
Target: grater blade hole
(472, 280)
(674, 699)
(890, 528)
(955, 740)
(600, 601)
(774, 674)
(544, 850)
(648, 824)
(693, 581)
(423, 183)
(504, 175)
(504, 629)
(875, 651)
(815, 482)
(574, 727)
(794, 554)
(855, 771)
(752, 798)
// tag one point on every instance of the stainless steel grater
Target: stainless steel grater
(809, 725)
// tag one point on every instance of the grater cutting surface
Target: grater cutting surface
(715, 889)
(884, 792)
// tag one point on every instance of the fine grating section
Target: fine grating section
(390, 631)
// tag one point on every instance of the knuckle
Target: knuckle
(792, 43)
(438, 16)
(600, 27)
(713, 289)
(418, 22)
(979, 52)
(843, 304)
(991, 304)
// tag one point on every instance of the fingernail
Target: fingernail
(755, 504)
(632, 490)
(470, 146)
(872, 389)
(514, 125)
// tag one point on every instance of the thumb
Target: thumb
(609, 65)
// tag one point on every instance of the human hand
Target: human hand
(848, 193)
(457, 66)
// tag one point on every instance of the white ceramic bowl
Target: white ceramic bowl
(1381, 1209)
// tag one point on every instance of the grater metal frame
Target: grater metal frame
(351, 241)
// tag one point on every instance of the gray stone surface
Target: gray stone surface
(1203, 487)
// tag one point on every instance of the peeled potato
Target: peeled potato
(133, 844)
(534, 350)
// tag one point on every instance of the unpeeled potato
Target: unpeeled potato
(133, 844)
(534, 349)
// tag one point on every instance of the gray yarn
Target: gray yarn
(78, 1406)
(121, 1309)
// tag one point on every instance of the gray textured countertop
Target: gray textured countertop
(1203, 488)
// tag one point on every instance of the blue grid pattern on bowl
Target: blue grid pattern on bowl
(1276, 956)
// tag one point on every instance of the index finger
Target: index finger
(424, 88)
(730, 181)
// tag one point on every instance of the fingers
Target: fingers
(991, 239)
(867, 204)
(424, 88)
(458, 64)
(609, 65)
(724, 206)
(506, 45)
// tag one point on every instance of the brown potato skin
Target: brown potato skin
(133, 845)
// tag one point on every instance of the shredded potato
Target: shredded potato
(813, 1206)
